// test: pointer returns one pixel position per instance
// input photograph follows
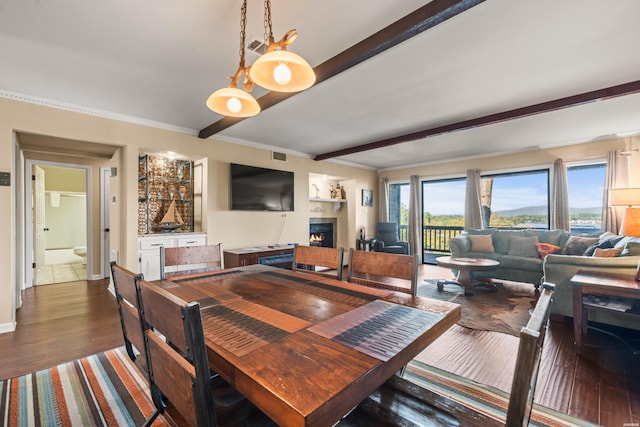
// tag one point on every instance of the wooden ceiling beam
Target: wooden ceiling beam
(428, 16)
(530, 110)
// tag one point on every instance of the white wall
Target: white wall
(67, 223)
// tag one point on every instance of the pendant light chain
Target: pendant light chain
(268, 32)
(243, 25)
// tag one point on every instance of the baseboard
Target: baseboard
(7, 327)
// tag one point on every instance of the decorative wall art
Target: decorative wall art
(367, 198)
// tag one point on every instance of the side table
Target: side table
(364, 244)
(601, 284)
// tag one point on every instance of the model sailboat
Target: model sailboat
(172, 219)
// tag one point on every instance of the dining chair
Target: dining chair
(308, 257)
(528, 360)
(124, 283)
(196, 258)
(181, 386)
(381, 270)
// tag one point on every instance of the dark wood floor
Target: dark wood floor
(601, 384)
(58, 323)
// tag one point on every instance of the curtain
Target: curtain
(560, 197)
(472, 204)
(617, 176)
(383, 203)
(415, 225)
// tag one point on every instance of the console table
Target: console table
(252, 255)
(600, 284)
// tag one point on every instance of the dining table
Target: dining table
(305, 348)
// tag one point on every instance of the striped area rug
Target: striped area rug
(105, 389)
(483, 398)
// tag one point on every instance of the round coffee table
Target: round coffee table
(466, 267)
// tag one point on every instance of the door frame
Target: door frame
(105, 221)
(29, 243)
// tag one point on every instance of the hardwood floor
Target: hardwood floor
(58, 323)
(601, 384)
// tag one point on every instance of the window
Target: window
(442, 215)
(443, 202)
(586, 188)
(516, 200)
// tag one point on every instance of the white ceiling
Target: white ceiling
(156, 61)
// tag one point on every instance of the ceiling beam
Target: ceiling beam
(428, 16)
(530, 110)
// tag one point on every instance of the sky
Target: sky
(514, 191)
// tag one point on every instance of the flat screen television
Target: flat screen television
(260, 189)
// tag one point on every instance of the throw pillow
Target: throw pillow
(607, 253)
(523, 246)
(602, 244)
(631, 249)
(545, 249)
(578, 245)
(481, 243)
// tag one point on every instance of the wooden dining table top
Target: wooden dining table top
(306, 349)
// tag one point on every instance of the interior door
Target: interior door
(39, 226)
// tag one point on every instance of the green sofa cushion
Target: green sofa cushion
(524, 246)
(522, 263)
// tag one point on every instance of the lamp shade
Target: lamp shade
(630, 222)
(234, 102)
(302, 75)
(624, 197)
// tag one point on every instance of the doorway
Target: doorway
(58, 222)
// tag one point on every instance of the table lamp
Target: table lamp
(630, 226)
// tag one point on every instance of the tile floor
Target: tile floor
(61, 266)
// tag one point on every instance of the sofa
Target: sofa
(554, 256)
(559, 269)
(518, 251)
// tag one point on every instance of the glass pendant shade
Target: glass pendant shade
(225, 101)
(301, 74)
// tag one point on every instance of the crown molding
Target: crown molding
(94, 112)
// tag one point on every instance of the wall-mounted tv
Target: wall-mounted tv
(260, 189)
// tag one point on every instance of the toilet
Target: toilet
(81, 251)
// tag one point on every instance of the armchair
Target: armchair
(388, 240)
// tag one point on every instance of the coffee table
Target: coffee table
(466, 267)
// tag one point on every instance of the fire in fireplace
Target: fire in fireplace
(322, 232)
(316, 239)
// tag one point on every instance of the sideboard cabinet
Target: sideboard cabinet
(277, 256)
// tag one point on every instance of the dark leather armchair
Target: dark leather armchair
(387, 239)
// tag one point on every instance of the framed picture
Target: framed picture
(367, 198)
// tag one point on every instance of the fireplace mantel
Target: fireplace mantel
(336, 202)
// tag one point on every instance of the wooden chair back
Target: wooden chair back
(125, 283)
(179, 363)
(378, 269)
(528, 360)
(317, 256)
(197, 258)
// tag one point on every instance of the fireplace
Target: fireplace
(322, 232)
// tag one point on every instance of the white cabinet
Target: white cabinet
(149, 253)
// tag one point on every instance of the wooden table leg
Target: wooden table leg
(578, 313)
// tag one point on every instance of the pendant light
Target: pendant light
(279, 70)
(232, 101)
